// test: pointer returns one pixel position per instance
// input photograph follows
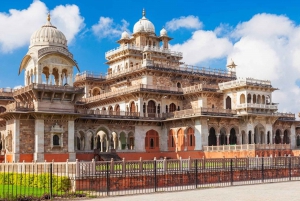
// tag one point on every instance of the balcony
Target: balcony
(19, 107)
(199, 112)
(45, 87)
(244, 82)
(135, 88)
(255, 105)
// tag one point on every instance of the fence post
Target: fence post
(155, 179)
(107, 179)
(231, 172)
(196, 172)
(262, 169)
(50, 181)
(290, 168)
(141, 165)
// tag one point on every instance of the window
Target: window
(56, 140)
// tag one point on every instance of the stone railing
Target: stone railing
(140, 87)
(198, 112)
(142, 48)
(199, 87)
(254, 105)
(246, 147)
(46, 88)
(16, 106)
(6, 92)
(46, 50)
(244, 82)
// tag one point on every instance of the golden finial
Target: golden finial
(48, 18)
(144, 12)
(232, 65)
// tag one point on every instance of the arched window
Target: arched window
(178, 85)
(151, 108)
(152, 141)
(232, 136)
(298, 141)
(110, 110)
(172, 107)
(228, 103)
(212, 139)
(286, 137)
(254, 98)
(242, 98)
(132, 107)
(117, 109)
(191, 139)
(171, 140)
(2, 109)
(249, 98)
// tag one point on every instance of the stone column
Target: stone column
(59, 79)
(126, 143)
(101, 143)
(252, 137)
(50, 76)
(71, 148)
(16, 140)
(107, 145)
(218, 139)
(227, 139)
(281, 139)
(39, 140)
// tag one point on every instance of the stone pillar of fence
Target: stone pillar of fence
(141, 165)
(165, 165)
(247, 162)
(189, 163)
(67, 167)
(123, 166)
(203, 163)
(77, 168)
(180, 164)
(93, 167)
(223, 162)
(112, 166)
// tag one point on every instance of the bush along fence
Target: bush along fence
(95, 179)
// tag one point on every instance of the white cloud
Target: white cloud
(203, 46)
(188, 22)
(18, 25)
(268, 47)
(107, 28)
(68, 20)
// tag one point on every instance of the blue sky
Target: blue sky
(262, 37)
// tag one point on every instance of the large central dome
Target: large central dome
(48, 35)
(144, 25)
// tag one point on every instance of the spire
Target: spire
(144, 12)
(232, 65)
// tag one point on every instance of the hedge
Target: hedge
(59, 183)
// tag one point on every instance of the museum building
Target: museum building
(148, 105)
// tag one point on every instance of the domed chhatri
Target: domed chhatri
(163, 32)
(48, 35)
(147, 26)
(125, 35)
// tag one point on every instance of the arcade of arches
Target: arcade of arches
(181, 140)
(257, 136)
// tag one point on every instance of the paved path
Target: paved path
(260, 192)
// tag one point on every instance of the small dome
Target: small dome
(48, 35)
(125, 35)
(147, 25)
(163, 32)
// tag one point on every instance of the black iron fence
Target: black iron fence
(95, 179)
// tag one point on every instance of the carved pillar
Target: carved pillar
(101, 145)
(126, 145)
(107, 145)
(218, 139)
(50, 76)
(39, 140)
(227, 139)
(252, 137)
(59, 79)
(281, 139)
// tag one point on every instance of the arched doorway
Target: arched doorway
(286, 137)
(228, 103)
(244, 137)
(172, 141)
(277, 137)
(151, 108)
(152, 141)
(191, 139)
(223, 138)
(172, 107)
(298, 141)
(212, 139)
(249, 137)
(268, 137)
(232, 136)
(117, 109)
(122, 141)
(132, 107)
